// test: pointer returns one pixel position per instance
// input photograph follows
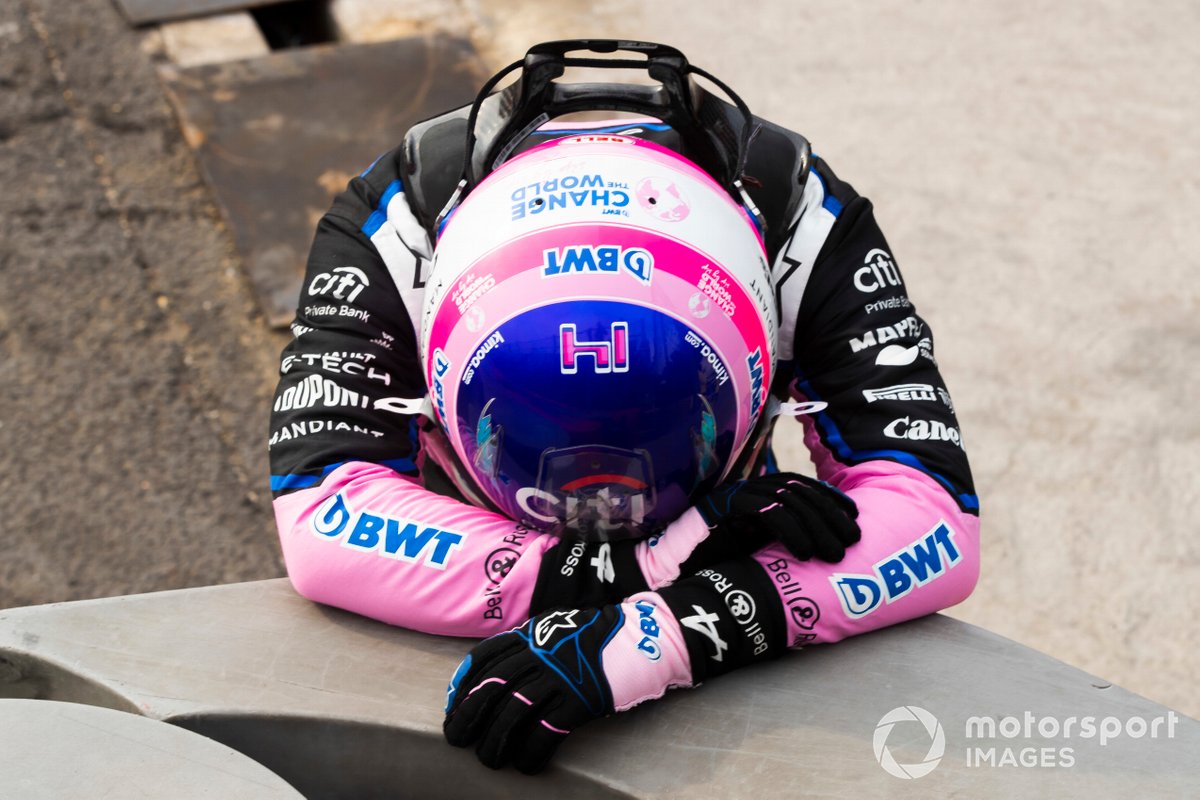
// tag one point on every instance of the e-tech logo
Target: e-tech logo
(879, 270)
(637, 261)
(342, 283)
(388, 537)
(924, 560)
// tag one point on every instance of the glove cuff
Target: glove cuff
(576, 573)
(647, 655)
(729, 616)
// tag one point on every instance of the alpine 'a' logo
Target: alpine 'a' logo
(704, 622)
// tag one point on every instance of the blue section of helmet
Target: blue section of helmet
(636, 388)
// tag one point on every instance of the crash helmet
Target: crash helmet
(598, 335)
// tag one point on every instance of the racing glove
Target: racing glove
(517, 695)
(808, 516)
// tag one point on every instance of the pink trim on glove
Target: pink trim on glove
(660, 557)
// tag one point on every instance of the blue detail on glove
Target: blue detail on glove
(459, 673)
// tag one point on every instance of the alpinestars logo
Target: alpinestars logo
(550, 624)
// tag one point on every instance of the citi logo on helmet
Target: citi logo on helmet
(598, 258)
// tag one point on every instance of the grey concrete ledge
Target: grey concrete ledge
(340, 706)
(51, 750)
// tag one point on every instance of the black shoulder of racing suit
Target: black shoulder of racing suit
(862, 347)
(777, 166)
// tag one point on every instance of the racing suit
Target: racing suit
(375, 518)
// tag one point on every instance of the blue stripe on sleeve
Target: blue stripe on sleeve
(830, 203)
(833, 435)
(281, 483)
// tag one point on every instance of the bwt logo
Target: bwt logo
(603, 258)
(441, 365)
(388, 537)
(610, 356)
(922, 561)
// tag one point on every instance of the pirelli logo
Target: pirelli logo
(903, 391)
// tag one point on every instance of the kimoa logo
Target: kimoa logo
(937, 742)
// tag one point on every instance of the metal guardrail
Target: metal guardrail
(340, 706)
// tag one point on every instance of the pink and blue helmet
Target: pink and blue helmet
(599, 334)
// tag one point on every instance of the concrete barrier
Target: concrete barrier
(51, 750)
(340, 706)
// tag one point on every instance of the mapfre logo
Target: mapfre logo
(933, 728)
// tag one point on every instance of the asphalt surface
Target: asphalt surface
(135, 371)
(1034, 168)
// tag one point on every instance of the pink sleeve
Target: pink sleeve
(919, 553)
(377, 543)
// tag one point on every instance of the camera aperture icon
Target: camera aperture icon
(937, 745)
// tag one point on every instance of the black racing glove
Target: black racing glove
(809, 517)
(517, 695)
